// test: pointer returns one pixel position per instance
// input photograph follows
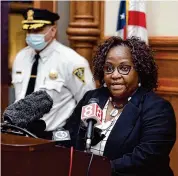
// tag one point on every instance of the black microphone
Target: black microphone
(37, 127)
(91, 115)
(29, 109)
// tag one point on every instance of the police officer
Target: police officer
(46, 64)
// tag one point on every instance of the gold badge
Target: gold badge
(53, 74)
(30, 14)
(79, 72)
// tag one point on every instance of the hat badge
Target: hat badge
(30, 14)
(53, 74)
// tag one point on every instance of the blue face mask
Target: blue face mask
(37, 41)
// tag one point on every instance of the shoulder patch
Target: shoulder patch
(80, 73)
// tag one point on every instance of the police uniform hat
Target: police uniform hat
(37, 18)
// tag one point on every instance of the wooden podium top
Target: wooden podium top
(11, 142)
(25, 156)
(21, 140)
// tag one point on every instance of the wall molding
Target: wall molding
(166, 54)
(169, 42)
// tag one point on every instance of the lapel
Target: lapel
(125, 123)
(103, 96)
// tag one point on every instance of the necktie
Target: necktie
(32, 80)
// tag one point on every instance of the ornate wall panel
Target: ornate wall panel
(84, 27)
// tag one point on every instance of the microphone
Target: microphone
(91, 115)
(37, 127)
(29, 109)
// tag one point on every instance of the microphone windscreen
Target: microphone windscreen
(26, 110)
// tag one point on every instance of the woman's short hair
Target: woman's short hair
(142, 57)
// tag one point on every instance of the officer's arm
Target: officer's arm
(81, 80)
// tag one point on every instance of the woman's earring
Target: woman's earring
(104, 85)
(139, 84)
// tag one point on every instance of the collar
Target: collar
(135, 98)
(138, 96)
(44, 54)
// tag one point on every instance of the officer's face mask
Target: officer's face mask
(37, 41)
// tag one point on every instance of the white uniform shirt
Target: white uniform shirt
(66, 89)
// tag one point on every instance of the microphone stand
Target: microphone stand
(6, 125)
(89, 134)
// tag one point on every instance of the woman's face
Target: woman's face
(122, 84)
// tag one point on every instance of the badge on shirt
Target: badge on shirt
(53, 74)
(79, 72)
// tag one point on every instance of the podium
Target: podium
(25, 156)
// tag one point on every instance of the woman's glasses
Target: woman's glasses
(122, 69)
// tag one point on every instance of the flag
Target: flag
(122, 22)
(135, 19)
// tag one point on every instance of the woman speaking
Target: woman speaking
(138, 127)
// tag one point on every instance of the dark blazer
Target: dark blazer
(142, 138)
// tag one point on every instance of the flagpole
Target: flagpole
(127, 16)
